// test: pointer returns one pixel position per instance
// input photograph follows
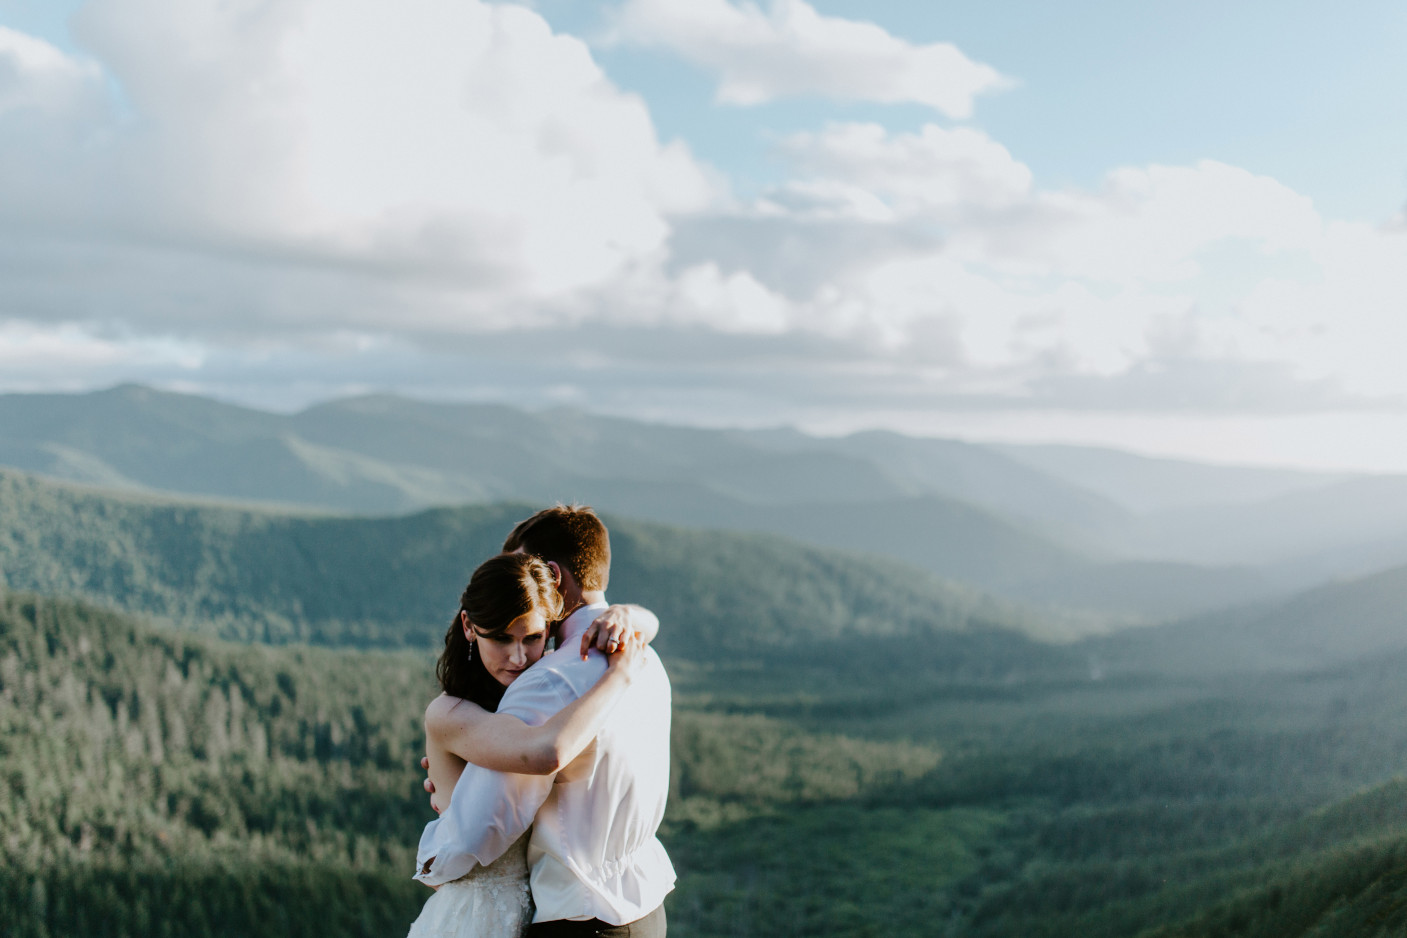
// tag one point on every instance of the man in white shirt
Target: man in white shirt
(597, 866)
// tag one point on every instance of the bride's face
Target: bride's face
(510, 653)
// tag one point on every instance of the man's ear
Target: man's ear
(556, 573)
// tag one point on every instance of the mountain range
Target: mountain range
(281, 577)
(1110, 536)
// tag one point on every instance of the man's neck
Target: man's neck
(574, 599)
(570, 604)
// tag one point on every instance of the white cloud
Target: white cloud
(934, 172)
(451, 144)
(790, 49)
(33, 355)
(328, 192)
(52, 110)
(1348, 321)
(34, 74)
(730, 303)
(1006, 289)
(1150, 223)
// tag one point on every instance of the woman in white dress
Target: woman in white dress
(499, 632)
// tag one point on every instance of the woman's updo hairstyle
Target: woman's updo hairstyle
(500, 590)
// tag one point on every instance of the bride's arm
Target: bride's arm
(442, 767)
(506, 744)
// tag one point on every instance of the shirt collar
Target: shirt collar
(575, 624)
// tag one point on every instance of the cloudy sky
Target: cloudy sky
(1174, 227)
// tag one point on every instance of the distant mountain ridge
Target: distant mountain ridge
(1149, 485)
(1326, 627)
(381, 454)
(965, 511)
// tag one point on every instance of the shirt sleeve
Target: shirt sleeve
(490, 810)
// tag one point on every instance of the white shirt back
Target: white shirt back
(593, 851)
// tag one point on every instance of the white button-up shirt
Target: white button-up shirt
(593, 851)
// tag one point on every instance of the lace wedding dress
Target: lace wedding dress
(491, 901)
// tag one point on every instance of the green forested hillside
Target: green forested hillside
(156, 783)
(393, 582)
(160, 783)
(859, 749)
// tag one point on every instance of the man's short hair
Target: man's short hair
(571, 536)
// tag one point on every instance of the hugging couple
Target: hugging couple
(549, 771)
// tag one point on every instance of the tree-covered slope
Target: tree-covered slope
(395, 581)
(1351, 882)
(158, 783)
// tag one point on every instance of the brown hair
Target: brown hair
(569, 535)
(500, 590)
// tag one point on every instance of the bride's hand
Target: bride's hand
(608, 631)
(628, 656)
(428, 785)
